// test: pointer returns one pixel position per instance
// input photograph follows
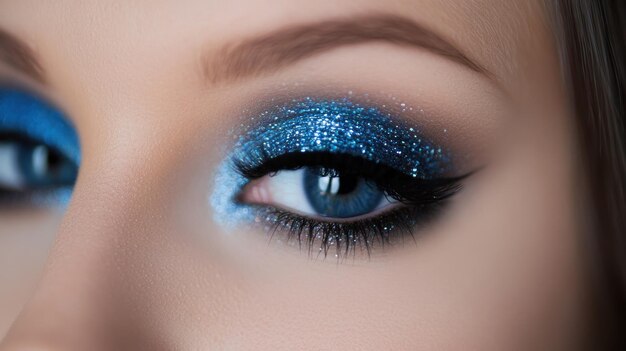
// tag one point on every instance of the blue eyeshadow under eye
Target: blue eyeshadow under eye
(317, 125)
(24, 114)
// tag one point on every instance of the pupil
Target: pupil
(340, 185)
(54, 161)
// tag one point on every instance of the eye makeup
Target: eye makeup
(340, 126)
(39, 151)
(345, 140)
(24, 114)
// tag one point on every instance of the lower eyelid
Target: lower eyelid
(385, 208)
(373, 215)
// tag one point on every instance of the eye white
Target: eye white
(10, 175)
(286, 189)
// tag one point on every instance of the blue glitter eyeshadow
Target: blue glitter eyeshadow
(338, 126)
(24, 114)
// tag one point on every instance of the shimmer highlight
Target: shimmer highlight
(339, 126)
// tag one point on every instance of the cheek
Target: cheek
(25, 238)
(502, 272)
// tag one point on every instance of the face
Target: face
(269, 174)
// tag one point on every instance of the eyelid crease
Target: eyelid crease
(346, 237)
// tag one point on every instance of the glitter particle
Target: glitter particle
(318, 125)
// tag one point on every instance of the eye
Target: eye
(28, 166)
(334, 173)
(39, 151)
(318, 192)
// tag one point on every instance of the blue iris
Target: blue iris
(337, 196)
(39, 148)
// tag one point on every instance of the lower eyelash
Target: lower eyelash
(346, 239)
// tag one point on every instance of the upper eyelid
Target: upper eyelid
(52, 126)
(341, 125)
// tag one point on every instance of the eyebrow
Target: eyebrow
(270, 52)
(19, 56)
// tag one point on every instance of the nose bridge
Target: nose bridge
(80, 302)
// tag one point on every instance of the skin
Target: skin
(137, 262)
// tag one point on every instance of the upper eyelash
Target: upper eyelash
(42, 199)
(401, 187)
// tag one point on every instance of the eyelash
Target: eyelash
(422, 200)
